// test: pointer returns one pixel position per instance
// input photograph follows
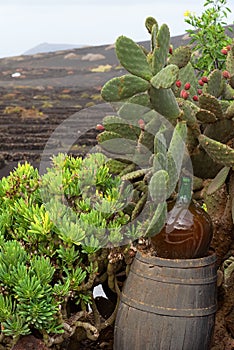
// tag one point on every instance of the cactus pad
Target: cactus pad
(187, 74)
(119, 126)
(135, 174)
(116, 166)
(149, 23)
(218, 181)
(218, 151)
(160, 52)
(172, 172)
(159, 162)
(229, 114)
(164, 102)
(132, 57)
(181, 56)
(189, 111)
(228, 92)
(158, 186)
(206, 116)
(230, 61)
(215, 83)
(166, 77)
(211, 103)
(177, 144)
(158, 220)
(120, 88)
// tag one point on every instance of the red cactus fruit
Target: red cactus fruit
(170, 50)
(226, 74)
(199, 91)
(204, 79)
(224, 51)
(178, 83)
(100, 127)
(187, 86)
(195, 98)
(201, 82)
(228, 47)
(141, 124)
(184, 94)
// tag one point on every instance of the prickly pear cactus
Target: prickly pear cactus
(162, 82)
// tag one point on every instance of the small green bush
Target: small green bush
(58, 233)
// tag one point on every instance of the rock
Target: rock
(71, 56)
(93, 57)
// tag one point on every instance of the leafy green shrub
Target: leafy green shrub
(208, 35)
(58, 234)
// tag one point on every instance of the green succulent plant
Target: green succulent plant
(61, 234)
(162, 83)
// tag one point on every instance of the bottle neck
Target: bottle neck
(185, 190)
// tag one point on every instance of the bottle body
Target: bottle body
(190, 237)
(188, 230)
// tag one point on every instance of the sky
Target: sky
(27, 23)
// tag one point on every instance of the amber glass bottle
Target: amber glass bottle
(188, 231)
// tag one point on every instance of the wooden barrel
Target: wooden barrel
(167, 304)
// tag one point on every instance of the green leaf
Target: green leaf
(15, 326)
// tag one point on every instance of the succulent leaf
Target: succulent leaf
(166, 77)
(189, 113)
(181, 56)
(228, 92)
(222, 130)
(135, 174)
(211, 103)
(119, 126)
(120, 88)
(230, 62)
(139, 206)
(187, 74)
(164, 102)
(215, 83)
(160, 144)
(159, 162)
(149, 23)
(219, 180)
(205, 116)
(160, 52)
(218, 151)
(229, 113)
(158, 220)
(132, 57)
(116, 166)
(177, 144)
(154, 36)
(158, 186)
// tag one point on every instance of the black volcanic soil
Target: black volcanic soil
(52, 88)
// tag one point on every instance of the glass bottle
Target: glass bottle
(188, 230)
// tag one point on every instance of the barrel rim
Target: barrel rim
(182, 263)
